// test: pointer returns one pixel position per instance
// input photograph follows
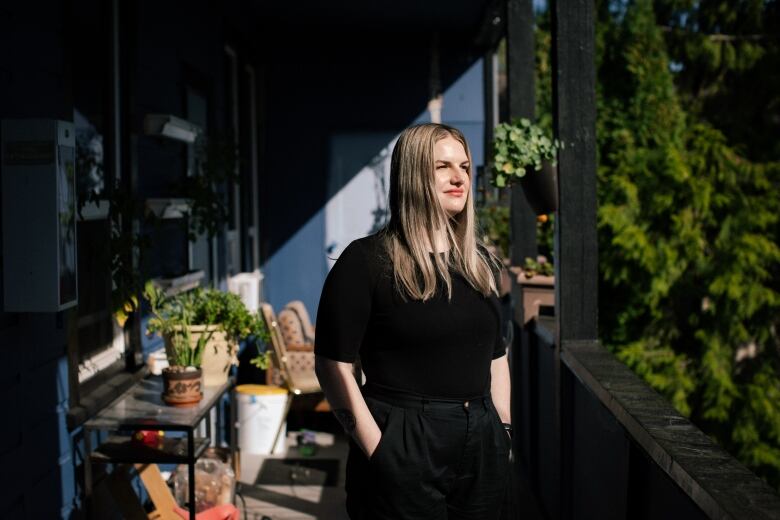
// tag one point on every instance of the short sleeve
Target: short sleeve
(345, 306)
(499, 349)
(504, 322)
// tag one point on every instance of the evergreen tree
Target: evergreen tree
(688, 210)
(726, 58)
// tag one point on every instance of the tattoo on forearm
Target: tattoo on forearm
(346, 419)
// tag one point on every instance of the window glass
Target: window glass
(91, 74)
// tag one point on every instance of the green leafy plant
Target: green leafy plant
(518, 146)
(173, 316)
(540, 265)
(494, 221)
(216, 164)
(688, 227)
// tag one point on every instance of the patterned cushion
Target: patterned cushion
(303, 316)
(300, 362)
(301, 367)
(291, 328)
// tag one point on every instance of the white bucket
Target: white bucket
(260, 413)
(247, 287)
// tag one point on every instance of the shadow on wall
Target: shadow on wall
(356, 190)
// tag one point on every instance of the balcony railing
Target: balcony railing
(595, 441)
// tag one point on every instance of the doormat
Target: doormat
(305, 472)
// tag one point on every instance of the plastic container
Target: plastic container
(215, 484)
(260, 413)
(248, 287)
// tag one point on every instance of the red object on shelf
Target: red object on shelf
(151, 438)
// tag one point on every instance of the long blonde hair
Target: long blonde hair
(416, 214)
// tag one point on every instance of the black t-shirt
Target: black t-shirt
(436, 348)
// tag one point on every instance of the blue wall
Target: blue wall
(369, 98)
(36, 455)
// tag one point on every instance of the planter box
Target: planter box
(536, 291)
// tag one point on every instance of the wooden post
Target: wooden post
(521, 98)
(521, 101)
(490, 100)
(574, 106)
(576, 247)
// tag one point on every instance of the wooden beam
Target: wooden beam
(521, 99)
(574, 113)
(491, 28)
(576, 249)
(490, 102)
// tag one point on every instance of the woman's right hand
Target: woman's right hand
(371, 445)
(349, 407)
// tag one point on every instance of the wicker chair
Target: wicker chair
(291, 368)
(293, 364)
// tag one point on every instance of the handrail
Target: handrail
(719, 484)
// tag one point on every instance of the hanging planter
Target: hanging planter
(522, 153)
(541, 188)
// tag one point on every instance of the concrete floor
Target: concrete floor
(293, 486)
(297, 487)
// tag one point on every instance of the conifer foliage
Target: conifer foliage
(689, 199)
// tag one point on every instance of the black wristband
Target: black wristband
(507, 428)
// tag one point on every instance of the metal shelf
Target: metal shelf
(123, 450)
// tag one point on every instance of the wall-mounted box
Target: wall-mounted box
(171, 127)
(38, 170)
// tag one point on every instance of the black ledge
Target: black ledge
(101, 396)
(719, 484)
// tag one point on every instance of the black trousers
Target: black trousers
(436, 460)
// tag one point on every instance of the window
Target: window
(100, 345)
(233, 234)
(249, 171)
(202, 251)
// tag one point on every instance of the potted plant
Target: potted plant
(538, 267)
(523, 153)
(202, 329)
(216, 164)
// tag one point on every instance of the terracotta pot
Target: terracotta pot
(541, 188)
(218, 355)
(182, 388)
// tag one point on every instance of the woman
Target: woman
(417, 301)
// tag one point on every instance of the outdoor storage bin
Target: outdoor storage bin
(261, 410)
